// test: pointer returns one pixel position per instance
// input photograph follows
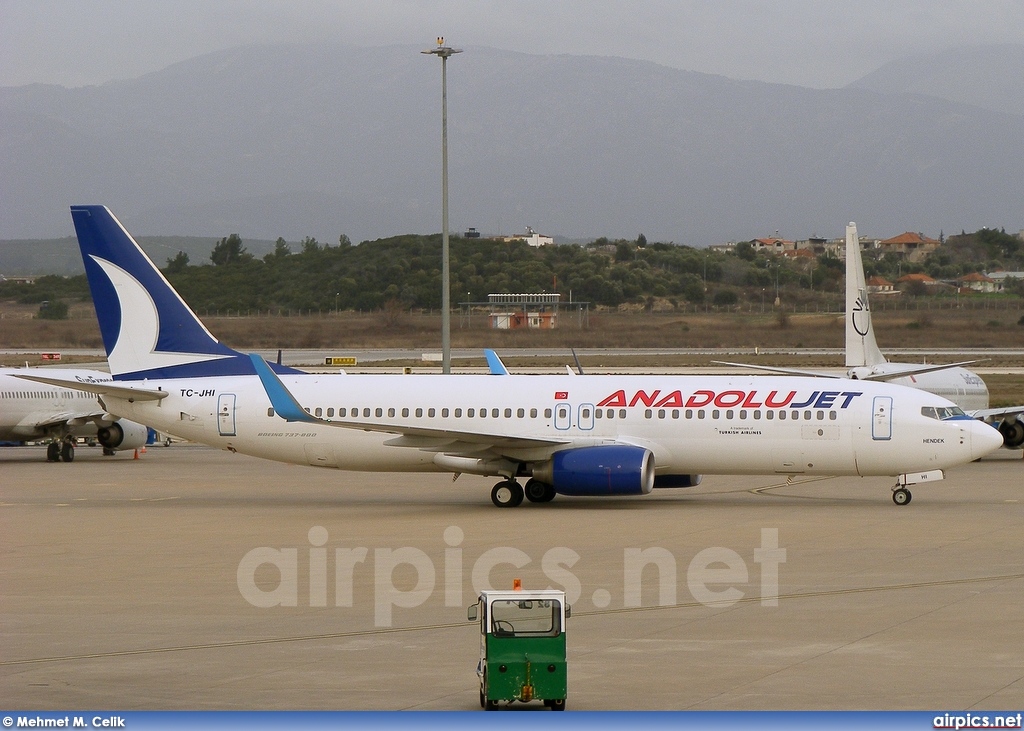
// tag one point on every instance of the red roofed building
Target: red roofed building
(978, 282)
(909, 245)
(880, 285)
(911, 282)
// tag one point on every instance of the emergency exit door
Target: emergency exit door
(226, 415)
(881, 420)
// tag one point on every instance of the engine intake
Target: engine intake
(122, 434)
(608, 470)
(1012, 429)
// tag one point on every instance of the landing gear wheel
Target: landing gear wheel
(67, 452)
(539, 492)
(108, 452)
(507, 494)
(901, 496)
(53, 452)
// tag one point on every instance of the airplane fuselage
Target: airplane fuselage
(35, 410)
(691, 424)
(964, 388)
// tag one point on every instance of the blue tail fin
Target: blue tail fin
(148, 330)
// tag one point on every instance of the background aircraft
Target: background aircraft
(30, 411)
(864, 360)
(588, 435)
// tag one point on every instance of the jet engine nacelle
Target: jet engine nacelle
(122, 434)
(1012, 429)
(607, 470)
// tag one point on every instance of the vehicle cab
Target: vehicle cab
(522, 646)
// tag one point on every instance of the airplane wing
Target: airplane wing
(43, 421)
(101, 388)
(439, 440)
(866, 373)
(861, 373)
(986, 414)
(780, 369)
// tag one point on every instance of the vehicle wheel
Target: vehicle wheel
(539, 492)
(901, 496)
(67, 452)
(558, 704)
(53, 452)
(507, 494)
(491, 706)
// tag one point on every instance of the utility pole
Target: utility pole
(443, 52)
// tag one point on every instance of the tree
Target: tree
(745, 250)
(178, 263)
(229, 250)
(310, 245)
(281, 248)
(344, 241)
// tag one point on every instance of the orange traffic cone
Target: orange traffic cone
(136, 454)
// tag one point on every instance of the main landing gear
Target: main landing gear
(61, 451)
(508, 493)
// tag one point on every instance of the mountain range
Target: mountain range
(323, 140)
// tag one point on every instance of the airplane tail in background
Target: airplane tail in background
(861, 348)
(148, 330)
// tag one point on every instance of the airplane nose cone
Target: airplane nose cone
(984, 439)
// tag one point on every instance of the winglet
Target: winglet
(285, 405)
(494, 364)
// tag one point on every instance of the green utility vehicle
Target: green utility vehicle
(522, 647)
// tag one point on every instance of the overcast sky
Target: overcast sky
(818, 43)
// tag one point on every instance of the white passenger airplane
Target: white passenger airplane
(61, 414)
(864, 360)
(586, 435)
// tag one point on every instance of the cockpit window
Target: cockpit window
(943, 412)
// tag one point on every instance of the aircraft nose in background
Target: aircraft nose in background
(984, 439)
